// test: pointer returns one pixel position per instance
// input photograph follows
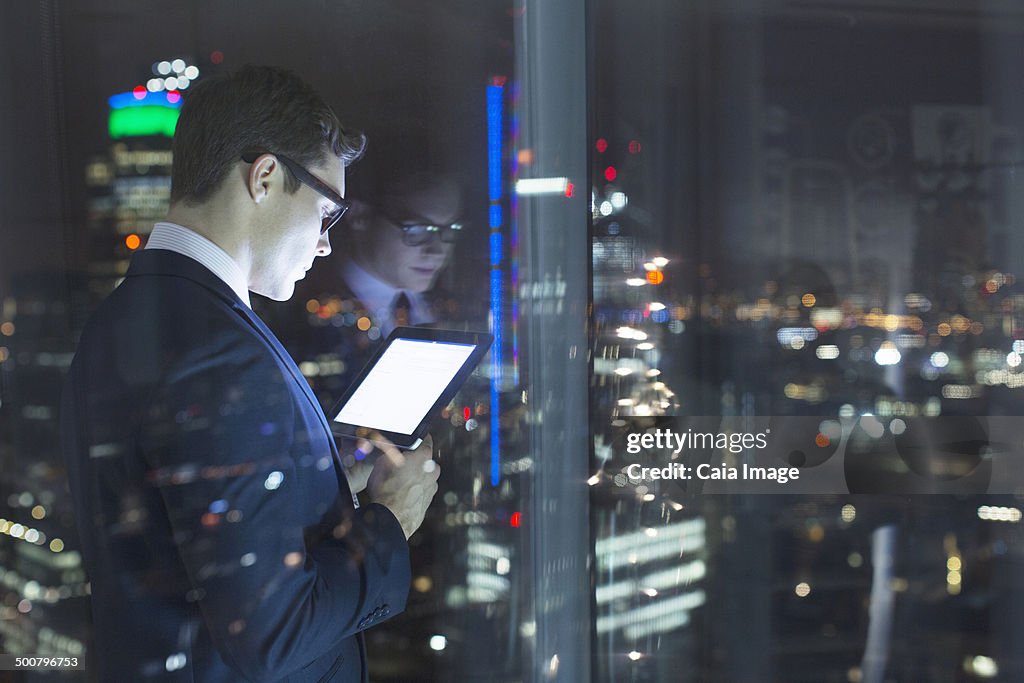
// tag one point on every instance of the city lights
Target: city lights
(540, 186)
(887, 354)
(992, 513)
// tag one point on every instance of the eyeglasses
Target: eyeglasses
(311, 181)
(418, 234)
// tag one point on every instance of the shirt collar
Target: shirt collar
(378, 296)
(178, 238)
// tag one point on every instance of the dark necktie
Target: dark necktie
(400, 310)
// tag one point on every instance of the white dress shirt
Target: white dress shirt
(178, 238)
(379, 297)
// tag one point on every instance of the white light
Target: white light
(827, 352)
(991, 513)
(983, 667)
(154, 85)
(660, 261)
(646, 346)
(630, 333)
(650, 265)
(871, 425)
(803, 589)
(656, 306)
(178, 65)
(888, 354)
(619, 200)
(175, 662)
(606, 208)
(650, 592)
(634, 655)
(1013, 359)
(653, 372)
(503, 566)
(529, 186)
(171, 83)
(622, 372)
(182, 82)
(897, 426)
(274, 480)
(636, 282)
(192, 72)
(939, 359)
(438, 643)
(594, 480)
(163, 68)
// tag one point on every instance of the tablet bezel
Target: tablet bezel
(481, 340)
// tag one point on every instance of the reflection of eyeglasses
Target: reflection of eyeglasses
(311, 181)
(418, 234)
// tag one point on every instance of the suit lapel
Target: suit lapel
(165, 262)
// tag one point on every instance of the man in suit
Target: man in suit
(399, 236)
(400, 243)
(222, 537)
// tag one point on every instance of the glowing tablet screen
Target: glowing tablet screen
(404, 384)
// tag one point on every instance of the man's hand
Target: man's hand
(405, 483)
(358, 471)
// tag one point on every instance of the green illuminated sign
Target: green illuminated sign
(140, 121)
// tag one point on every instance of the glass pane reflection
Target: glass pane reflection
(803, 221)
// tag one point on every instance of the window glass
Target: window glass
(803, 232)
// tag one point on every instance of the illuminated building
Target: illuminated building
(130, 185)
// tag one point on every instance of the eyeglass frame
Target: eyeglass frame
(310, 181)
(439, 230)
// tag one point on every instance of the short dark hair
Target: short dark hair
(253, 108)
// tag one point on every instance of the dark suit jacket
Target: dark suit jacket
(217, 528)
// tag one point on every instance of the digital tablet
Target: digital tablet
(413, 375)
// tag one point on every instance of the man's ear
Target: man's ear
(263, 174)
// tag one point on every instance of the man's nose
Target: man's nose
(433, 245)
(323, 247)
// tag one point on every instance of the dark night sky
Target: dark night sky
(410, 74)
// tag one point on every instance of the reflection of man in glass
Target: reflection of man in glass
(222, 538)
(399, 244)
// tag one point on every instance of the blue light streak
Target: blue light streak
(150, 99)
(495, 105)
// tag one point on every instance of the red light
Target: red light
(601, 145)
(514, 520)
(634, 147)
(499, 81)
(466, 413)
(173, 96)
(216, 56)
(610, 173)
(139, 92)
(568, 189)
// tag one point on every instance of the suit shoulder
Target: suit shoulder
(152, 323)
